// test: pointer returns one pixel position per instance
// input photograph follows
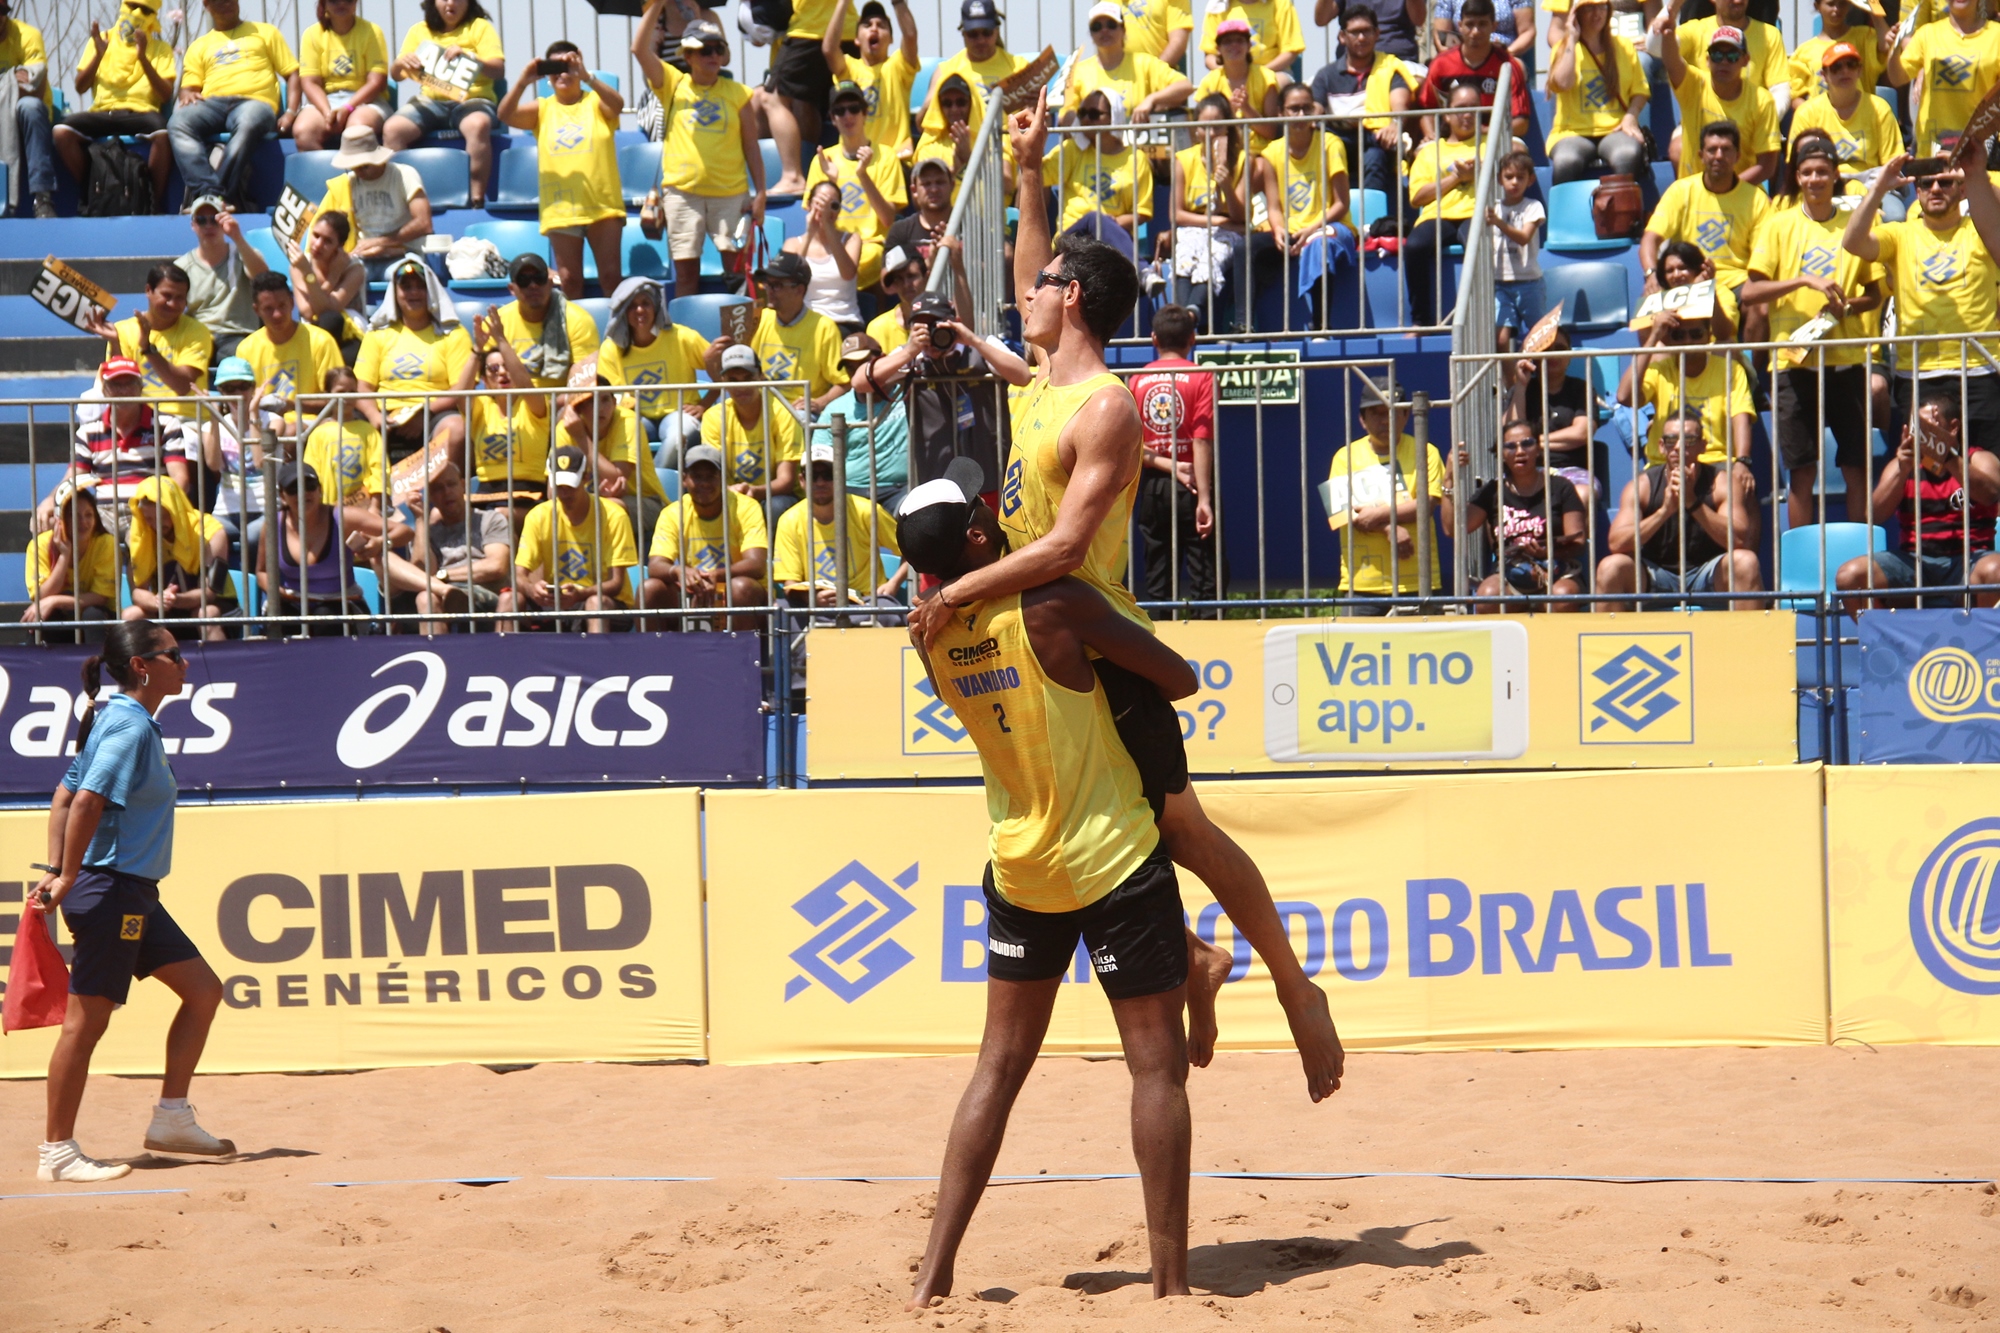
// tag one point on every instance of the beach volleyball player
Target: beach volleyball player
(1065, 508)
(1075, 852)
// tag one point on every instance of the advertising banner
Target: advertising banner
(487, 708)
(356, 935)
(1557, 691)
(1930, 688)
(1913, 889)
(1545, 910)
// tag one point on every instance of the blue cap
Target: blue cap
(974, 15)
(234, 370)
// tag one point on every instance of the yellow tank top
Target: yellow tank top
(1070, 822)
(1033, 488)
(578, 161)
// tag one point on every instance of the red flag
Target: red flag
(37, 981)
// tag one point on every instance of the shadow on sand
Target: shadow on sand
(1244, 1267)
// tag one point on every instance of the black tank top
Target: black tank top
(1664, 548)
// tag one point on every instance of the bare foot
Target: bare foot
(789, 185)
(931, 1289)
(1208, 968)
(1319, 1045)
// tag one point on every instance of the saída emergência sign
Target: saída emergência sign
(1930, 687)
(468, 709)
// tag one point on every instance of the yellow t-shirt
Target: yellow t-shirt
(477, 36)
(1136, 77)
(1791, 243)
(577, 162)
(1308, 182)
(807, 349)
(1198, 192)
(531, 441)
(1150, 23)
(1867, 139)
(298, 365)
(1587, 108)
(801, 559)
(979, 75)
(743, 448)
(703, 152)
(1367, 569)
(342, 64)
(349, 453)
(1274, 27)
(887, 89)
(674, 357)
(1724, 227)
(888, 328)
(1383, 76)
(857, 215)
(809, 20)
(1255, 87)
(1432, 166)
(246, 61)
(399, 357)
(1767, 65)
(1721, 393)
(1752, 112)
(96, 571)
(23, 46)
(1943, 283)
(1070, 820)
(121, 85)
(566, 552)
(1957, 69)
(1808, 78)
(186, 344)
(1087, 182)
(683, 537)
(493, 436)
(581, 327)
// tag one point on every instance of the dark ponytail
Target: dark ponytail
(122, 642)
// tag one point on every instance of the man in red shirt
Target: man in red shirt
(1176, 488)
(1477, 60)
(1928, 489)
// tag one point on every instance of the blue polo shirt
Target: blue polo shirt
(125, 763)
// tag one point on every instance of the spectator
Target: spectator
(121, 444)
(1250, 89)
(1720, 94)
(806, 552)
(318, 548)
(1378, 547)
(344, 74)
(1513, 27)
(878, 426)
(1176, 501)
(797, 86)
(668, 31)
(342, 445)
(220, 269)
(918, 232)
(711, 547)
(72, 567)
(832, 255)
(1942, 273)
(947, 136)
(1541, 533)
(884, 76)
(1716, 211)
(231, 85)
(1799, 271)
(1144, 84)
(1840, 23)
(172, 350)
(551, 333)
(1395, 24)
(581, 197)
(795, 343)
(1927, 487)
(642, 345)
(1159, 28)
(1276, 41)
(1210, 247)
(870, 181)
(1444, 184)
(416, 345)
(1477, 59)
(1958, 59)
(180, 562)
(1861, 126)
(1682, 376)
(711, 164)
(1565, 424)
(1764, 64)
(453, 33)
(382, 201)
(1098, 172)
(34, 160)
(1691, 525)
(903, 275)
(231, 430)
(331, 283)
(460, 557)
(1600, 94)
(129, 78)
(288, 358)
(754, 431)
(493, 434)
(950, 391)
(983, 62)
(1360, 87)
(1517, 266)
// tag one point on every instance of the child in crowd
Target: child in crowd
(1517, 264)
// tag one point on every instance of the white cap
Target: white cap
(741, 356)
(1105, 9)
(822, 452)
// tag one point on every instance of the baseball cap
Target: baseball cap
(699, 34)
(1228, 26)
(290, 475)
(738, 356)
(977, 15)
(847, 90)
(1838, 51)
(1726, 36)
(929, 164)
(568, 466)
(931, 521)
(822, 452)
(214, 203)
(529, 266)
(785, 267)
(858, 347)
(933, 305)
(874, 9)
(234, 370)
(898, 257)
(702, 453)
(119, 367)
(1106, 9)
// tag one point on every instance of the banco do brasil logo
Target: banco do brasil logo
(1636, 688)
(851, 953)
(1955, 909)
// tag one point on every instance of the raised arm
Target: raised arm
(829, 42)
(1029, 133)
(645, 34)
(519, 110)
(1859, 238)
(1981, 205)
(1069, 616)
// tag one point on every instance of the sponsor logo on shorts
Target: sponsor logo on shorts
(1006, 950)
(1955, 909)
(1636, 688)
(851, 953)
(131, 927)
(1104, 961)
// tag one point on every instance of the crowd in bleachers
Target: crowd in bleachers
(1788, 182)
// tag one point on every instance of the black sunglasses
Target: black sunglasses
(171, 654)
(1047, 279)
(1105, 25)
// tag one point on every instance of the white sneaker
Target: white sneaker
(176, 1131)
(65, 1162)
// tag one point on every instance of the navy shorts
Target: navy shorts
(1136, 934)
(121, 932)
(1151, 730)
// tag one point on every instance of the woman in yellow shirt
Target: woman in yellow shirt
(1102, 174)
(643, 346)
(343, 71)
(180, 561)
(1600, 94)
(72, 568)
(454, 55)
(1251, 90)
(1443, 183)
(581, 196)
(1213, 182)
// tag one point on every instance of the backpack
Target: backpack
(118, 183)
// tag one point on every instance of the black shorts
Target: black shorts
(112, 124)
(1980, 406)
(121, 932)
(1151, 730)
(798, 71)
(1797, 410)
(1136, 934)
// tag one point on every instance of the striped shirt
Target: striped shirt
(120, 460)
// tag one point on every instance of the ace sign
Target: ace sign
(69, 295)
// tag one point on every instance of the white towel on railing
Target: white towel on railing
(1200, 255)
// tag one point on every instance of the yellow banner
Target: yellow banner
(499, 930)
(1547, 910)
(1913, 886)
(1660, 690)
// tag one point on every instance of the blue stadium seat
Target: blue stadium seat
(265, 242)
(468, 310)
(920, 87)
(3, 190)
(1570, 227)
(1369, 205)
(308, 173)
(446, 173)
(642, 257)
(1798, 555)
(371, 588)
(1595, 295)
(638, 171)
(519, 187)
(702, 312)
(599, 309)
